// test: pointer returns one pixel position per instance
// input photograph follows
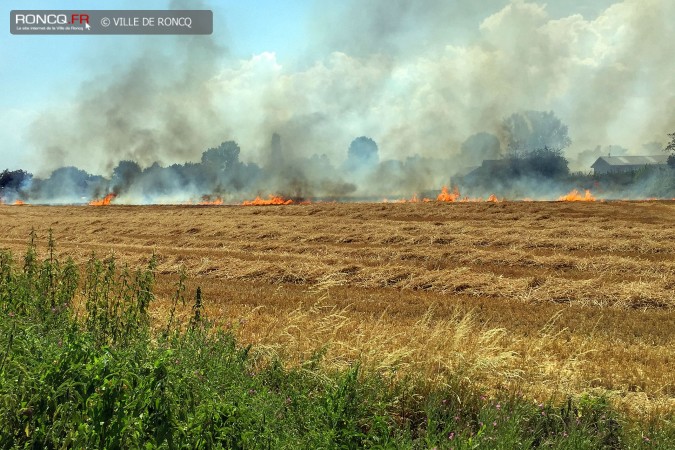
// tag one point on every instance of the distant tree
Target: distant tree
(125, 174)
(547, 162)
(225, 157)
(69, 176)
(671, 148)
(221, 169)
(14, 179)
(13, 182)
(532, 130)
(362, 154)
(67, 184)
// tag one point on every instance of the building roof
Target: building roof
(633, 160)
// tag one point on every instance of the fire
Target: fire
(413, 199)
(446, 196)
(272, 200)
(15, 203)
(206, 200)
(575, 196)
(454, 196)
(105, 201)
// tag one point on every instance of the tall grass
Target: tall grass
(99, 378)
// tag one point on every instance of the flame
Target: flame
(413, 199)
(206, 200)
(446, 196)
(273, 200)
(454, 196)
(15, 203)
(575, 196)
(105, 201)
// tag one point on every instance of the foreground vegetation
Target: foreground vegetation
(80, 367)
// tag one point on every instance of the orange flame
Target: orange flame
(206, 200)
(575, 196)
(15, 203)
(446, 196)
(273, 200)
(105, 201)
(413, 199)
(455, 196)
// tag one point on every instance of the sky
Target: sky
(38, 71)
(418, 77)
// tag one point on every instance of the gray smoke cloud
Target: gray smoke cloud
(154, 106)
(420, 78)
(461, 67)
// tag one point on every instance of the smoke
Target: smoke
(607, 77)
(420, 79)
(587, 157)
(154, 106)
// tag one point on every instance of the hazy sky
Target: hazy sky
(417, 76)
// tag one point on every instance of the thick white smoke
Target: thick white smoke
(416, 79)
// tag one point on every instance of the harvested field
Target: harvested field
(550, 298)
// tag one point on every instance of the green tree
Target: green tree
(14, 179)
(224, 157)
(671, 148)
(531, 130)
